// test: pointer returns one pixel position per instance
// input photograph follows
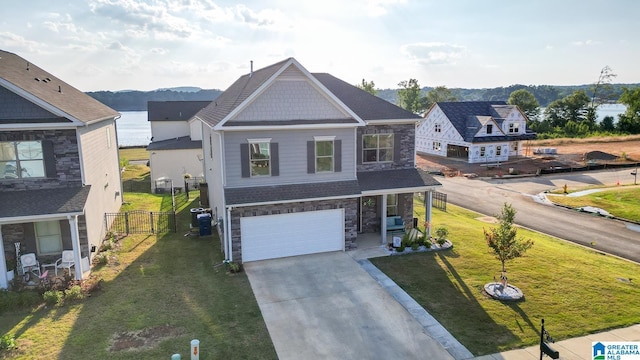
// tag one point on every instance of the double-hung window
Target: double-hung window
(392, 204)
(489, 129)
(48, 237)
(324, 156)
(260, 158)
(498, 150)
(21, 159)
(377, 148)
(514, 128)
(482, 151)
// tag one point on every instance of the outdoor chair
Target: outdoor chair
(66, 261)
(30, 264)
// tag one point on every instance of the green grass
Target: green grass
(577, 291)
(156, 281)
(620, 201)
(134, 153)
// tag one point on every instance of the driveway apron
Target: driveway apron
(325, 306)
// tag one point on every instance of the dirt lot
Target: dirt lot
(569, 153)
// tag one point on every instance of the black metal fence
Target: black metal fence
(140, 222)
(440, 201)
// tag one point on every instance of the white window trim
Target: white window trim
(259, 141)
(324, 138)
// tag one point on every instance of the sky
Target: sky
(145, 45)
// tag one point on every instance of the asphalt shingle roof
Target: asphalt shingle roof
(50, 89)
(174, 110)
(276, 193)
(180, 143)
(395, 179)
(43, 201)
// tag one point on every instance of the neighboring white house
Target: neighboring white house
(477, 131)
(176, 142)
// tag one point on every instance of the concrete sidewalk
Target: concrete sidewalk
(576, 348)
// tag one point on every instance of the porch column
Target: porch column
(75, 245)
(383, 219)
(4, 283)
(428, 203)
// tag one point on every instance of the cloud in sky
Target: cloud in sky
(148, 44)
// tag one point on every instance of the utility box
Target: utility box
(194, 216)
(204, 222)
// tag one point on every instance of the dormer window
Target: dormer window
(489, 128)
(514, 128)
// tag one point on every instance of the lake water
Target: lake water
(134, 128)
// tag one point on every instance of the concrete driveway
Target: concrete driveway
(325, 306)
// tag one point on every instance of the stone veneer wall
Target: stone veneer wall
(403, 133)
(371, 213)
(65, 147)
(350, 207)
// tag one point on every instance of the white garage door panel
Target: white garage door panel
(275, 236)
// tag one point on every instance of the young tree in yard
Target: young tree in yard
(527, 102)
(410, 97)
(369, 87)
(601, 93)
(503, 240)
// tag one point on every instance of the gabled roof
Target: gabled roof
(179, 143)
(366, 105)
(469, 116)
(174, 110)
(362, 105)
(47, 91)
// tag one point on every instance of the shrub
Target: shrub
(415, 246)
(401, 248)
(102, 258)
(8, 342)
(233, 267)
(106, 245)
(441, 233)
(52, 297)
(427, 244)
(74, 293)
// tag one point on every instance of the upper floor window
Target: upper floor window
(377, 148)
(514, 128)
(21, 159)
(498, 150)
(482, 151)
(438, 128)
(260, 159)
(324, 156)
(489, 128)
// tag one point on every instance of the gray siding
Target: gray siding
(292, 151)
(15, 107)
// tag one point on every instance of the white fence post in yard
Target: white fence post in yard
(195, 349)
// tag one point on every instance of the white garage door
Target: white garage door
(275, 236)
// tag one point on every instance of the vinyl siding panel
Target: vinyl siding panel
(163, 130)
(292, 150)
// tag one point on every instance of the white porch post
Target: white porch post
(75, 244)
(428, 203)
(383, 219)
(4, 283)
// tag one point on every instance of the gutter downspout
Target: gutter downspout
(383, 219)
(4, 282)
(75, 244)
(227, 234)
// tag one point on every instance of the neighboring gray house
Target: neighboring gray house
(299, 163)
(477, 131)
(59, 170)
(176, 142)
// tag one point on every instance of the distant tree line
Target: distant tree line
(137, 100)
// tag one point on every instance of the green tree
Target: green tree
(572, 107)
(601, 92)
(369, 87)
(629, 122)
(503, 240)
(439, 94)
(410, 97)
(527, 102)
(607, 124)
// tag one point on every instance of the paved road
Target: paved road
(488, 196)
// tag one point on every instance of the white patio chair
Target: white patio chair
(30, 263)
(66, 261)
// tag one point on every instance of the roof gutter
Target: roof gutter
(32, 218)
(399, 190)
(295, 200)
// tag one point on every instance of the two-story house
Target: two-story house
(59, 170)
(176, 142)
(477, 131)
(299, 163)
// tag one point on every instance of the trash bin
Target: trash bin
(204, 221)
(194, 216)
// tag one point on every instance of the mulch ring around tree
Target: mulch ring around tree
(143, 339)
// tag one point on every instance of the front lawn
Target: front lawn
(620, 201)
(577, 291)
(158, 293)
